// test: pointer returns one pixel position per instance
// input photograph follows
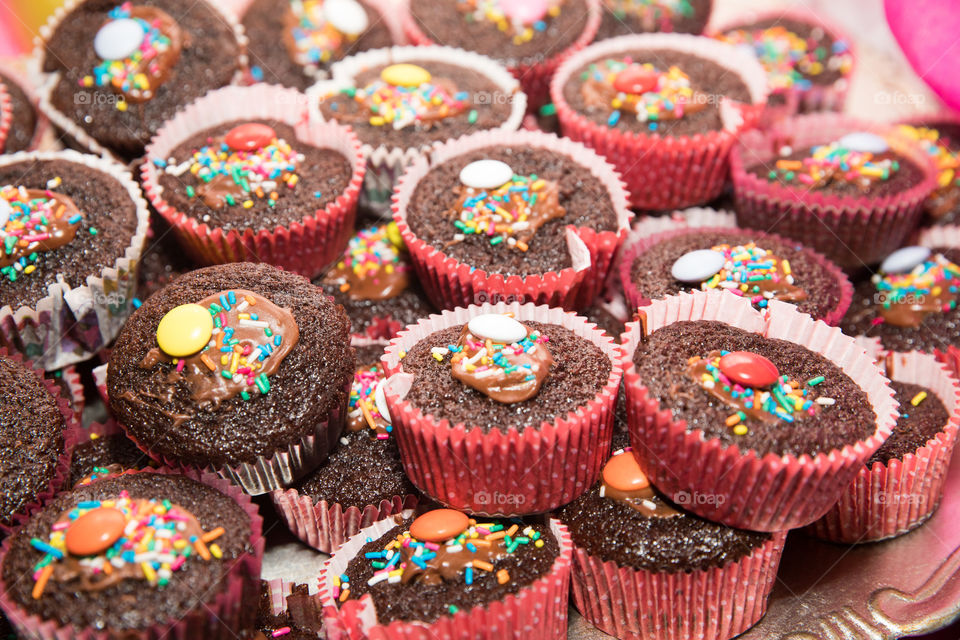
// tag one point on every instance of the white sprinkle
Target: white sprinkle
(253, 323)
(826, 401)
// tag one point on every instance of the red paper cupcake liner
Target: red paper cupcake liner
(534, 78)
(494, 472)
(887, 500)
(307, 246)
(711, 604)
(450, 283)
(538, 610)
(76, 398)
(6, 115)
(324, 525)
(851, 231)
(666, 172)
(636, 298)
(100, 380)
(43, 124)
(71, 435)
(722, 483)
(230, 611)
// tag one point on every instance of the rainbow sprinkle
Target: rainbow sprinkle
(315, 40)
(501, 214)
(492, 11)
(362, 403)
(28, 224)
(937, 278)
(371, 251)
(483, 356)
(661, 12)
(670, 99)
(948, 162)
(747, 266)
(834, 163)
(401, 107)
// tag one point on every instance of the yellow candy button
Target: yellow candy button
(405, 75)
(393, 234)
(184, 330)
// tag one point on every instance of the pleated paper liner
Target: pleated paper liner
(450, 283)
(385, 164)
(534, 77)
(72, 387)
(944, 236)
(768, 493)
(494, 472)
(43, 124)
(853, 231)
(636, 298)
(221, 617)
(6, 115)
(666, 172)
(887, 500)
(304, 610)
(71, 324)
(708, 604)
(538, 610)
(306, 246)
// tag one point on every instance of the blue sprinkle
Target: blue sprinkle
(137, 303)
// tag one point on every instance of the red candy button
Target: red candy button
(439, 525)
(249, 137)
(749, 369)
(624, 474)
(94, 531)
(635, 79)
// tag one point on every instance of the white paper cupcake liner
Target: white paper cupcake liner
(43, 124)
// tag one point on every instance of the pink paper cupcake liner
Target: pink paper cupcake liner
(538, 610)
(666, 172)
(76, 398)
(6, 115)
(221, 618)
(535, 78)
(43, 124)
(324, 525)
(711, 604)
(887, 500)
(851, 231)
(636, 298)
(306, 246)
(385, 164)
(280, 589)
(450, 283)
(100, 380)
(747, 491)
(71, 435)
(492, 472)
(70, 325)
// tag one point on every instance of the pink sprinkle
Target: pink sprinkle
(175, 566)
(180, 365)
(281, 632)
(876, 321)
(736, 291)
(433, 546)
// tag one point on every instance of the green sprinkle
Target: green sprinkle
(452, 608)
(244, 395)
(496, 240)
(815, 381)
(190, 191)
(472, 116)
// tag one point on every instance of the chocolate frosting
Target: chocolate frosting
(57, 231)
(362, 412)
(505, 373)
(908, 299)
(157, 68)
(371, 268)
(646, 500)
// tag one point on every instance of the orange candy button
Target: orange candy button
(94, 531)
(249, 137)
(624, 474)
(439, 525)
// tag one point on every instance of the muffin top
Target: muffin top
(200, 368)
(24, 123)
(941, 140)
(760, 394)
(294, 43)
(509, 216)
(625, 17)
(73, 538)
(922, 417)
(102, 455)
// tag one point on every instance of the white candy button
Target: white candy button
(486, 174)
(346, 16)
(381, 401)
(864, 142)
(697, 266)
(905, 259)
(497, 327)
(5, 211)
(118, 39)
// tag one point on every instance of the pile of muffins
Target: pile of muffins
(503, 305)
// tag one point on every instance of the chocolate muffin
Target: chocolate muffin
(752, 264)
(911, 303)
(300, 618)
(942, 141)
(32, 431)
(153, 58)
(272, 339)
(23, 126)
(624, 17)
(294, 43)
(163, 260)
(761, 394)
(544, 191)
(205, 550)
(922, 416)
(376, 285)
(473, 566)
(664, 91)
(100, 455)
(282, 179)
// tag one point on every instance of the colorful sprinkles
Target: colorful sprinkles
(947, 161)
(362, 401)
(28, 223)
(934, 284)
(660, 12)
(521, 29)
(487, 355)
(747, 267)
(315, 39)
(834, 163)
(403, 106)
(371, 251)
(501, 214)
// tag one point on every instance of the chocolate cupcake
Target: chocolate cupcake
(626, 17)
(940, 137)
(523, 216)
(117, 71)
(88, 560)
(27, 125)
(748, 263)
(786, 405)
(201, 370)
(241, 176)
(73, 230)
(677, 101)
(294, 43)
(486, 406)
(850, 190)
(644, 568)
(375, 283)
(403, 100)
(104, 451)
(288, 610)
(455, 572)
